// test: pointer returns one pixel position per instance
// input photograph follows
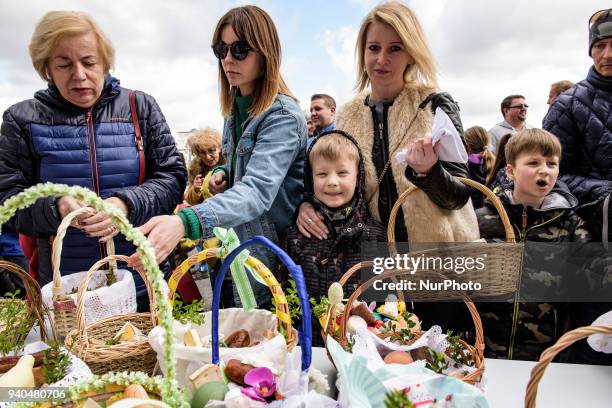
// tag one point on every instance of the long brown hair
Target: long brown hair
(500, 159)
(477, 141)
(254, 25)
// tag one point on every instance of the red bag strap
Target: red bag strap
(141, 155)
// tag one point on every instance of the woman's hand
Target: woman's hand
(310, 222)
(100, 224)
(163, 233)
(66, 205)
(217, 183)
(197, 183)
(421, 155)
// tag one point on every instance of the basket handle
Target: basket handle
(478, 342)
(510, 237)
(547, 356)
(305, 335)
(56, 253)
(185, 266)
(81, 327)
(32, 295)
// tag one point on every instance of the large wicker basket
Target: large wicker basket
(569, 338)
(88, 342)
(476, 351)
(64, 308)
(282, 308)
(503, 264)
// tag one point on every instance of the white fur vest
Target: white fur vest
(425, 221)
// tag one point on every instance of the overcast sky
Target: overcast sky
(485, 50)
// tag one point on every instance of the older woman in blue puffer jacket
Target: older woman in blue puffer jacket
(80, 131)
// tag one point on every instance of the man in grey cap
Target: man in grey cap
(582, 120)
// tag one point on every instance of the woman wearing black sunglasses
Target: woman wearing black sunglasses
(264, 142)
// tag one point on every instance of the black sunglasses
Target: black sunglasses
(239, 50)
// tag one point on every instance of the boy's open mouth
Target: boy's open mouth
(542, 183)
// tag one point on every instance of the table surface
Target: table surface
(563, 385)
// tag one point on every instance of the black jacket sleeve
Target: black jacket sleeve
(17, 172)
(560, 121)
(440, 185)
(166, 175)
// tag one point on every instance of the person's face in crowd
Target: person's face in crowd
(311, 127)
(321, 114)
(243, 74)
(334, 180)
(517, 112)
(552, 95)
(209, 156)
(602, 56)
(534, 175)
(386, 60)
(77, 70)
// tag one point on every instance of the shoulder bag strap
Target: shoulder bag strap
(141, 156)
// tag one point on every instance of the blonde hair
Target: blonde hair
(405, 23)
(477, 141)
(333, 147)
(204, 139)
(56, 25)
(200, 141)
(254, 25)
(532, 140)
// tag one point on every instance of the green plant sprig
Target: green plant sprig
(188, 312)
(15, 323)
(55, 363)
(397, 399)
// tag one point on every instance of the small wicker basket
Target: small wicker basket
(88, 342)
(64, 308)
(569, 338)
(33, 312)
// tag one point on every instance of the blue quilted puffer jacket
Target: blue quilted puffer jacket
(49, 139)
(581, 118)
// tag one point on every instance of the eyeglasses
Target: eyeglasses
(239, 50)
(523, 106)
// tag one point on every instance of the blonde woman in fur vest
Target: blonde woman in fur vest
(205, 146)
(396, 64)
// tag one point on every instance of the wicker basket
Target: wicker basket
(476, 351)
(501, 274)
(185, 267)
(550, 353)
(64, 308)
(34, 309)
(282, 308)
(88, 342)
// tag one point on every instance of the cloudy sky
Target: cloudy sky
(485, 50)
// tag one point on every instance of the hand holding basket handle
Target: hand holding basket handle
(304, 335)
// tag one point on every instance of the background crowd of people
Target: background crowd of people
(321, 184)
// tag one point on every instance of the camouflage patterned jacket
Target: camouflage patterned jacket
(522, 330)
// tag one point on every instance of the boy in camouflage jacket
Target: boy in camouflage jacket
(540, 210)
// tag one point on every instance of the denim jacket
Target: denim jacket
(268, 180)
